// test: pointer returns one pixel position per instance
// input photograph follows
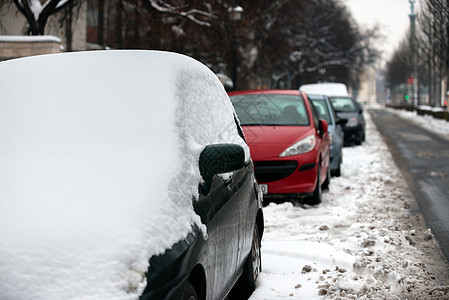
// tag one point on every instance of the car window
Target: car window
(343, 104)
(322, 109)
(333, 112)
(316, 118)
(270, 109)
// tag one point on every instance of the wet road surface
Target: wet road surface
(423, 158)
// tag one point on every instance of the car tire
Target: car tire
(316, 197)
(246, 284)
(189, 292)
(327, 181)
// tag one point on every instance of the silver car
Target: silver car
(326, 111)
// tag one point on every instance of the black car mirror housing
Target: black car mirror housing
(218, 159)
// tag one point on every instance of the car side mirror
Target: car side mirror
(218, 159)
(323, 127)
(342, 122)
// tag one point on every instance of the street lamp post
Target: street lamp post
(414, 83)
(235, 15)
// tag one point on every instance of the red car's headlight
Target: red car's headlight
(303, 146)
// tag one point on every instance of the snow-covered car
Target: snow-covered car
(125, 175)
(289, 143)
(326, 112)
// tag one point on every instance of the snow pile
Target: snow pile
(362, 242)
(97, 156)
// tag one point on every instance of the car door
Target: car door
(322, 140)
(219, 211)
(244, 179)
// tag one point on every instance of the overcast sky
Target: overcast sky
(391, 15)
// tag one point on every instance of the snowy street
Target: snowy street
(366, 240)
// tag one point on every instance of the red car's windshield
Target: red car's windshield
(270, 110)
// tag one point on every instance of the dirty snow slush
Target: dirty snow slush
(366, 240)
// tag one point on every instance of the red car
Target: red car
(289, 144)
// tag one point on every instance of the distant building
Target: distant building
(367, 93)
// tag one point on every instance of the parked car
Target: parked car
(326, 112)
(345, 106)
(289, 144)
(125, 175)
(351, 110)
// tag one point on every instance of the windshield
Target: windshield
(271, 109)
(343, 104)
(322, 109)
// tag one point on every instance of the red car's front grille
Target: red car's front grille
(267, 171)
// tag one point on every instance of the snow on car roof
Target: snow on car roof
(95, 149)
(329, 89)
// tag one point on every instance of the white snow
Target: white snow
(29, 38)
(329, 89)
(97, 163)
(359, 242)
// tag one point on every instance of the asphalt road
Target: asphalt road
(423, 158)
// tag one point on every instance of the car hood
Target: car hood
(97, 169)
(267, 142)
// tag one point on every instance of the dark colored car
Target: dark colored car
(229, 257)
(289, 143)
(326, 112)
(125, 175)
(351, 110)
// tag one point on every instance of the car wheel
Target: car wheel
(327, 181)
(189, 292)
(246, 284)
(316, 197)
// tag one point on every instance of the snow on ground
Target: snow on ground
(362, 242)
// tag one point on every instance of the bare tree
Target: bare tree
(433, 20)
(37, 12)
(399, 67)
(185, 10)
(315, 40)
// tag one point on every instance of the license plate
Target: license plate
(264, 188)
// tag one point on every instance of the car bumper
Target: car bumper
(288, 175)
(353, 134)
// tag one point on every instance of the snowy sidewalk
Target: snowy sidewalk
(361, 242)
